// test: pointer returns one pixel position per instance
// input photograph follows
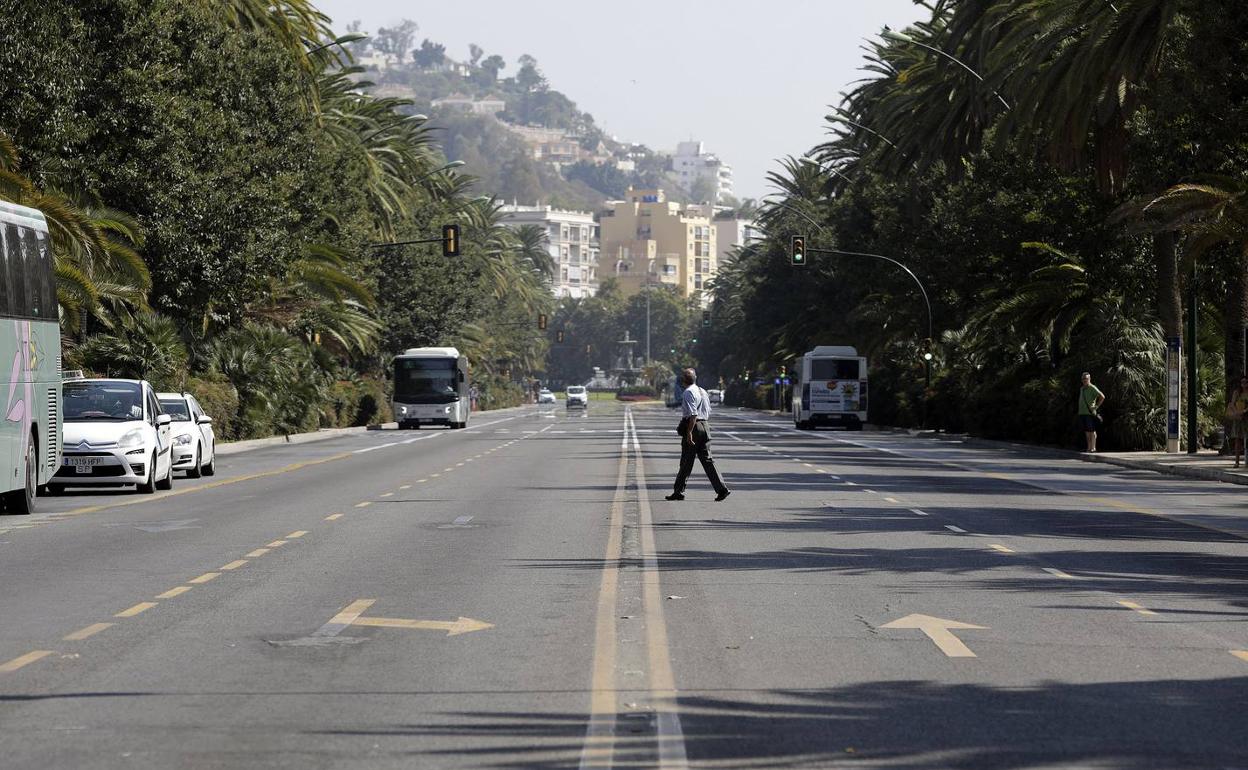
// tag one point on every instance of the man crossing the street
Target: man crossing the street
(695, 438)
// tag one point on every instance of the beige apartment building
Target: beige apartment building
(645, 237)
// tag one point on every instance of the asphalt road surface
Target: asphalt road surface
(519, 594)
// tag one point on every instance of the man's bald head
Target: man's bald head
(688, 377)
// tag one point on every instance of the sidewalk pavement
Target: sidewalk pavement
(1206, 464)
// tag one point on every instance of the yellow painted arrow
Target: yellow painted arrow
(452, 627)
(939, 631)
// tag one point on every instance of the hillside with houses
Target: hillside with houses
(523, 139)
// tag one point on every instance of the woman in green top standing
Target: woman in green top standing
(1237, 418)
(1090, 400)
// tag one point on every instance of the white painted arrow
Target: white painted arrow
(939, 631)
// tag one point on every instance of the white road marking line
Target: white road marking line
(917, 512)
(952, 528)
(1058, 573)
(892, 500)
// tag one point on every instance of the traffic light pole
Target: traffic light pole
(927, 359)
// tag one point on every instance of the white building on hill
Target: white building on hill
(572, 238)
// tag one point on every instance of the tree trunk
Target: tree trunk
(1236, 318)
(1169, 296)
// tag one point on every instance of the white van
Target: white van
(831, 388)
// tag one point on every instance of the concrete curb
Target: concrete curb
(1207, 474)
(238, 447)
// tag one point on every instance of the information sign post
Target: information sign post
(1174, 394)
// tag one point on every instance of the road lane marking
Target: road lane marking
(233, 565)
(83, 633)
(172, 592)
(460, 522)
(344, 618)
(451, 627)
(433, 476)
(135, 610)
(297, 534)
(458, 465)
(386, 494)
(256, 554)
(850, 484)
(24, 660)
(1241, 654)
(276, 544)
(405, 486)
(670, 735)
(891, 500)
(421, 481)
(870, 491)
(364, 504)
(599, 746)
(940, 631)
(204, 578)
(375, 448)
(1002, 548)
(952, 528)
(333, 517)
(1138, 608)
(917, 512)
(1055, 572)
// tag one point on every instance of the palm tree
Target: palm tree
(145, 347)
(98, 269)
(1213, 214)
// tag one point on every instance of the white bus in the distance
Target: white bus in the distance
(431, 388)
(30, 352)
(831, 388)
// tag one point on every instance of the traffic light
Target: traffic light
(706, 318)
(559, 336)
(541, 321)
(450, 240)
(798, 251)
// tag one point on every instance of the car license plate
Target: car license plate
(82, 464)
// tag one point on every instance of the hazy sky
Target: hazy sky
(752, 80)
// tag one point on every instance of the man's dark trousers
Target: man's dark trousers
(700, 448)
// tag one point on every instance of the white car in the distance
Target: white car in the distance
(194, 443)
(114, 433)
(544, 396)
(577, 396)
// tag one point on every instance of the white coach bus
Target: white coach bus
(30, 352)
(831, 388)
(431, 388)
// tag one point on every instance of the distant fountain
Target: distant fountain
(625, 370)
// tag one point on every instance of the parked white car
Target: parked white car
(114, 433)
(577, 396)
(194, 443)
(544, 396)
(715, 396)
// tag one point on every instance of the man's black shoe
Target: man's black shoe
(675, 496)
(723, 495)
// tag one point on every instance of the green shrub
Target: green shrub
(220, 402)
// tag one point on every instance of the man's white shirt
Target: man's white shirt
(695, 403)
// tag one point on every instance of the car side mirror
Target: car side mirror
(163, 419)
(204, 420)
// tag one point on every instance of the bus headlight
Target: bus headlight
(402, 410)
(446, 410)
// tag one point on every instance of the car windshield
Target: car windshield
(102, 400)
(177, 409)
(576, 390)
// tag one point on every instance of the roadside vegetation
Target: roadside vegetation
(1062, 175)
(215, 175)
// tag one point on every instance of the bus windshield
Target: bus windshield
(834, 369)
(102, 400)
(425, 380)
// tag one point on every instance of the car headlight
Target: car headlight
(446, 410)
(131, 438)
(183, 440)
(402, 410)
